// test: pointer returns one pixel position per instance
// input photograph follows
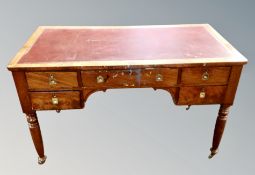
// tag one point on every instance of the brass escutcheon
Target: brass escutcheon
(202, 94)
(100, 79)
(54, 100)
(159, 77)
(52, 80)
(205, 76)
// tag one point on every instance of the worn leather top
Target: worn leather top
(142, 43)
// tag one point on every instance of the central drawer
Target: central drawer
(159, 77)
(153, 77)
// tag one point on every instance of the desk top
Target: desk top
(66, 46)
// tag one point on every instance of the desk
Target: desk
(61, 66)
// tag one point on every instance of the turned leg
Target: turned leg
(35, 131)
(219, 128)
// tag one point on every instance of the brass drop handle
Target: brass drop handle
(205, 76)
(159, 77)
(52, 80)
(202, 94)
(100, 79)
(54, 100)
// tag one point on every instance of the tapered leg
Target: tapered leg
(219, 128)
(35, 131)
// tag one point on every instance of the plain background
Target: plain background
(128, 131)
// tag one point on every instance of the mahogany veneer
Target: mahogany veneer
(65, 100)
(60, 66)
(41, 80)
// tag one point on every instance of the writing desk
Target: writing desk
(59, 67)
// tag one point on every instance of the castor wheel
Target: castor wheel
(213, 152)
(41, 160)
(211, 156)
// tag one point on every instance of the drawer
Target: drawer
(201, 95)
(159, 77)
(110, 78)
(51, 80)
(55, 100)
(200, 76)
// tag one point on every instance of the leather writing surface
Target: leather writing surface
(103, 44)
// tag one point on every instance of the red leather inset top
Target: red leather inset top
(101, 44)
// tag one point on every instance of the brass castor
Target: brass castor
(41, 160)
(213, 152)
(188, 107)
(211, 156)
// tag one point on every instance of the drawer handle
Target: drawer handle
(205, 76)
(202, 94)
(159, 77)
(100, 79)
(54, 100)
(52, 80)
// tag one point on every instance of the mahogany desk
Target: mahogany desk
(59, 67)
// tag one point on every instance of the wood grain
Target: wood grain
(131, 78)
(112, 79)
(217, 75)
(219, 128)
(22, 90)
(33, 123)
(40, 80)
(191, 95)
(35, 131)
(66, 100)
(232, 85)
(149, 76)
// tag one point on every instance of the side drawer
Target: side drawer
(204, 76)
(55, 100)
(201, 95)
(51, 80)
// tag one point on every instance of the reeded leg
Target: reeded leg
(219, 128)
(35, 131)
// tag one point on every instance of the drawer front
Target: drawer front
(200, 76)
(159, 77)
(51, 80)
(55, 100)
(109, 79)
(201, 95)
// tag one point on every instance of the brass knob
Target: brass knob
(54, 100)
(159, 77)
(100, 79)
(52, 80)
(202, 94)
(205, 76)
